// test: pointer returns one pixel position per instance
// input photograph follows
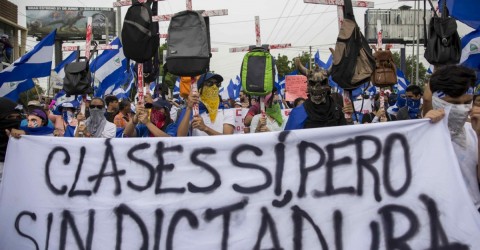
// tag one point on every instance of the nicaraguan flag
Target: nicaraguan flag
(371, 91)
(430, 69)
(109, 68)
(117, 89)
(402, 82)
(223, 92)
(176, 87)
(237, 83)
(36, 63)
(60, 69)
(329, 62)
(471, 50)
(12, 90)
(231, 90)
(318, 61)
(61, 100)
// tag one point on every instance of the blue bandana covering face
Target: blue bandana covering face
(413, 107)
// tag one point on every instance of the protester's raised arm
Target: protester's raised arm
(192, 99)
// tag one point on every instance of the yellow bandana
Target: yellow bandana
(210, 98)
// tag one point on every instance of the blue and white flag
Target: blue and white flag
(231, 90)
(318, 61)
(60, 69)
(223, 92)
(176, 87)
(12, 90)
(36, 63)
(371, 91)
(329, 62)
(471, 50)
(402, 82)
(118, 89)
(61, 100)
(109, 68)
(237, 83)
(430, 69)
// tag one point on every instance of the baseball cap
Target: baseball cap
(208, 76)
(34, 103)
(160, 103)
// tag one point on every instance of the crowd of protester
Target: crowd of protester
(204, 113)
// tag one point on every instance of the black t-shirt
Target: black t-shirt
(110, 116)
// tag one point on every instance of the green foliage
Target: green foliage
(285, 65)
(169, 78)
(411, 66)
(31, 95)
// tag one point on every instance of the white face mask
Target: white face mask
(457, 117)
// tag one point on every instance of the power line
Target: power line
(283, 24)
(322, 30)
(278, 19)
(294, 23)
(313, 23)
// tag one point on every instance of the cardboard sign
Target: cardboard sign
(295, 86)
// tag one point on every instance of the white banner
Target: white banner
(379, 186)
(240, 114)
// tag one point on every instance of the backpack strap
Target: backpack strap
(348, 10)
(425, 23)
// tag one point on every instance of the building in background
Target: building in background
(9, 26)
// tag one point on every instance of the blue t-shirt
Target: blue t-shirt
(142, 130)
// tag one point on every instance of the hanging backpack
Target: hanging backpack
(385, 74)
(443, 45)
(188, 41)
(78, 79)
(140, 36)
(258, 72)
(353, 62)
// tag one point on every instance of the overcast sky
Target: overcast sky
(281, 21)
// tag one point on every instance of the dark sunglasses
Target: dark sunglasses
(209, 83)
(96, 106)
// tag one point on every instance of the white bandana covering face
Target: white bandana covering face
(457, 117)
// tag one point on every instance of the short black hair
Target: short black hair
(109, 99)
(415, 89)
(98, 98)
(453, 80)
(297, 100)
(123, 104)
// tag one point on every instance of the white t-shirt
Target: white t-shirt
(224, 116)
(272, 125)
(467, 159)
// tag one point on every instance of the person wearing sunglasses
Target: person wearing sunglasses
(211, 120)
(96, 125)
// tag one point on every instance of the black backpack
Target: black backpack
(353, 62)
(151, 67)
(78, 79)
(443, 45)
(140, 36)
(188, 52)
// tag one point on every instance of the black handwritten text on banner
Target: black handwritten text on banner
(356, 187)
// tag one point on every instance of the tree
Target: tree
(34, 93)
(285, 66)
(411, 66)
(169, 78)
